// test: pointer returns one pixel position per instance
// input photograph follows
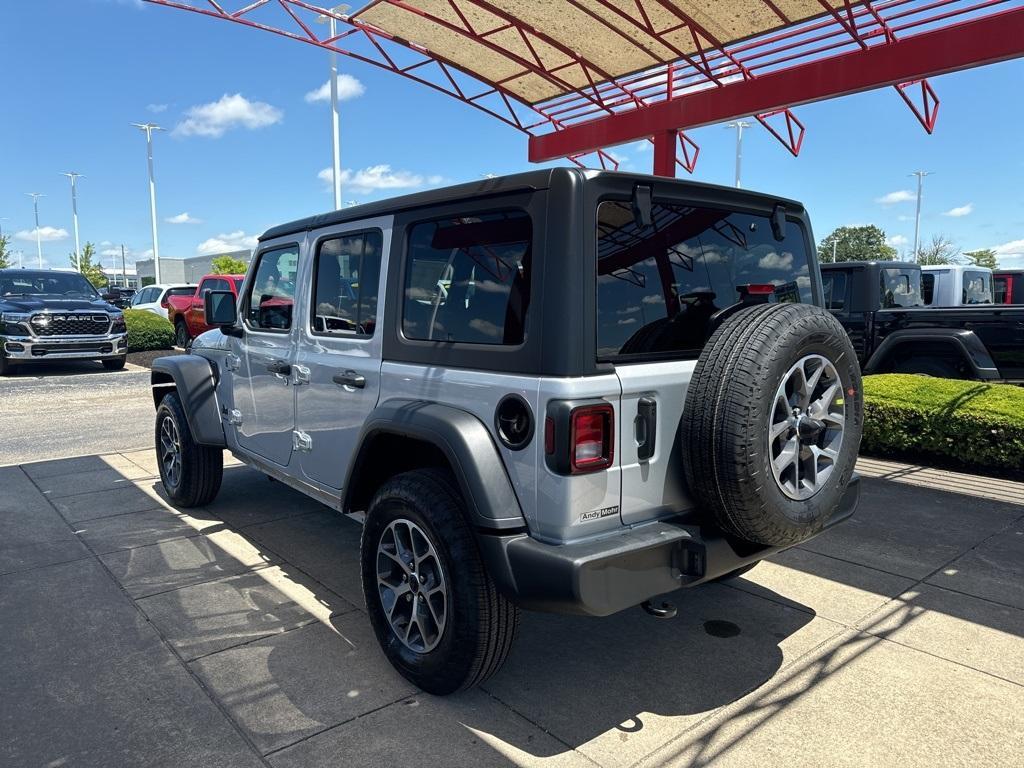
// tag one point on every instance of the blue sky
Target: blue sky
(245, 146)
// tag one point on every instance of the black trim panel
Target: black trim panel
(195, 379)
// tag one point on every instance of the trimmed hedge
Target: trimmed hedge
(147, 331)
(973, 423)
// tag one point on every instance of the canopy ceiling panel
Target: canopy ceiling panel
(576, 43)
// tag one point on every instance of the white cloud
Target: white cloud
(774, 260)
(230, 111)
(183, 218)
(643, 146)
(900, 196)
(46, 234)
(156, 109)
(232, 241)
(962, 210)
(1012, 248)
(348, 88)
(379, 177)
(897, 241)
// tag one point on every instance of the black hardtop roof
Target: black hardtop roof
(527, 181)
(1014, 271)
(881, 263)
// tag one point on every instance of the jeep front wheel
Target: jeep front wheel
(191, 473)
(435, 611)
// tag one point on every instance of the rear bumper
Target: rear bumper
(27, 348)
(610, 574)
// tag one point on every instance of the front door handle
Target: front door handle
(281, 367)
(349, 379)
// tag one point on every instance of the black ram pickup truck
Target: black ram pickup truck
(880, 305)
(54, 315)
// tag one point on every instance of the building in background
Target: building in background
(122, 278)
(187, 270)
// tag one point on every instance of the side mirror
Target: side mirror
(220, 309)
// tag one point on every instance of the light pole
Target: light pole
(332, 31)
(149, 128)
(74, 214)
(39, 241)
(739, 125)
(917, 219)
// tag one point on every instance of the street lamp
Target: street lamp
(332, 27)
(739, 125)
(149, 128)
(74, 214)
(917, 219)
(39, 241)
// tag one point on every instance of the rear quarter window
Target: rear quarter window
(659, 286)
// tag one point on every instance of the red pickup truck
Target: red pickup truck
(187, 313)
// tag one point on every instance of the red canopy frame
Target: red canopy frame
(854, 47)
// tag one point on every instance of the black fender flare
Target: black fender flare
(467, 444)
(195, 379)
(967, 342)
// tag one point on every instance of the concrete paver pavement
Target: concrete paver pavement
(137, 633)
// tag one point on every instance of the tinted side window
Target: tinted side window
(658, 286)
(927, 287)
(1000, 285)
(833, 284)
(977, 288)
(272, 296)
(467, 279)
(899, 288)
(346, 283)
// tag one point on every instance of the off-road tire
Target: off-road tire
(201, 466)
(481, 623)
(726, 414)
(115, 363)
(181, 334)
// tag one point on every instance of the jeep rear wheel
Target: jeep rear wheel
(435, 611)
(191, 473)
(772, 422)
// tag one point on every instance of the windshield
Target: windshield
(977, 288)
(658, 286)
(69, 285)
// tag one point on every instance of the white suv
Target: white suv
(563, 391)
(153, 298)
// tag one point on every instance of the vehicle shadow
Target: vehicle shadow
(42, 368)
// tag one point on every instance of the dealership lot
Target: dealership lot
(236, 635)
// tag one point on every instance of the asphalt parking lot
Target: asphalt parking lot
(135, 633)
(50, 410)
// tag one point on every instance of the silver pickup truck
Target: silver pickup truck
(562, 391)
(54, 315)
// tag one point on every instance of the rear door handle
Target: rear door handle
(281, 367)
(349, 379)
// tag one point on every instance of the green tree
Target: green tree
(865, 243)
(985, 257)
(84, 264)
(228, 265)
(941, 250)
(5, 253)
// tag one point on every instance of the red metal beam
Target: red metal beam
(986, 40)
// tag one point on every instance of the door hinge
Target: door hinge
(235, 417)
(301, 374)
(232, 362)
(302, 442)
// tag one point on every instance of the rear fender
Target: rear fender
(965, 342)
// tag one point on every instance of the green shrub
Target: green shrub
(973, 423)
(147, 331)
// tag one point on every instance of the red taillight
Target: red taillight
(759, 289)
(591, 438)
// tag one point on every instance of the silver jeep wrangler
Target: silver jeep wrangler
(562, 390)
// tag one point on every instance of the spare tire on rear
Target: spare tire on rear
(772, 422)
